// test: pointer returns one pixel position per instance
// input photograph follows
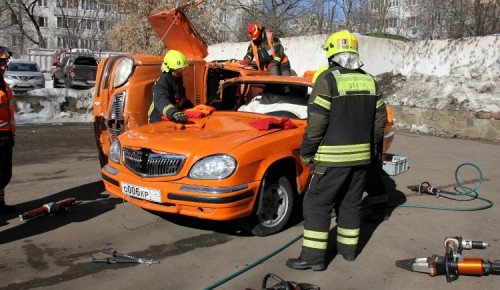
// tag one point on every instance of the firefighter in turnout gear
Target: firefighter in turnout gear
(378, 197)
(268, 52)
(169, 94)
(7, 132)
(337, 145)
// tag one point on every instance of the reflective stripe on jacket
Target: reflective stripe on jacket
(7, 121)
(341, 112)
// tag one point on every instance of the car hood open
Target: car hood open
(176, 32)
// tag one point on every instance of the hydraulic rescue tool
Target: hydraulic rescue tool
(48, 208)
(453, 264)
(123, 258)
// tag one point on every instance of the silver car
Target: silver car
(24, 75)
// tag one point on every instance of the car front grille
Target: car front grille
(145, 163)
(115, 117)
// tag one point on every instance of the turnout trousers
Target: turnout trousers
(341, 187)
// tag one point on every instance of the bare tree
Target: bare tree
(24, 15)
(285, 18)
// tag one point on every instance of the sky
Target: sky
(466, 88)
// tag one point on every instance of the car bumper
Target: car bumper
(213, 203)
(83, 83)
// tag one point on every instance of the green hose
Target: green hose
(464, 191)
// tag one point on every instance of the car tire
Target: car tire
(55, 84)
(273, 209)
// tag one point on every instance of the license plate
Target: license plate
(141, 192)
(24, 85)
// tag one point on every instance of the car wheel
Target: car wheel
(274, 208)
(55, 84)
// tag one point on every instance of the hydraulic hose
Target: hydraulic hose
(461, 190)
(464, 191)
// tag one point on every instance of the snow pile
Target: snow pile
(465, 89)
(53, 102)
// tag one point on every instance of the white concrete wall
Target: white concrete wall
(430, 57)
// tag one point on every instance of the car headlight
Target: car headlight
(213, 167)
(39, 78)
(123, 72)
(7, 77)
(115, 151)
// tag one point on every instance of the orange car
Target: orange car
(238, 162)
(123, 89)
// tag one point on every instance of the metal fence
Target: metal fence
(43, 56)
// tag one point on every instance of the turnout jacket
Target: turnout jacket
(267, 50)
(7, 122)
(342, 110)
(167, 90)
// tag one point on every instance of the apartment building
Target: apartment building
(399, 17)
(56, 24)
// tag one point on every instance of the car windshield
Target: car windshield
(17, 66)
(281, 100)
(85, 61)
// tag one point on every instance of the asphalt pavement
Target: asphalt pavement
(56, 162)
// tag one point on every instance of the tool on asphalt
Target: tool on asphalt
(48, 208)
(123, 258)
(453, 263)
(284, 285)
(425, 188)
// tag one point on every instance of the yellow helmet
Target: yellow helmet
(318, 72)
(174, 60)
(341, 41)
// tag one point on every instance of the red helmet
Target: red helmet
(4, 54)
(254, 30)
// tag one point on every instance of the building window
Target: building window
(68, 3)
(392, 22)
(88, 5)
(412, 22)
(42, 3)
(43, 21)
(414, 2)
(223, 17)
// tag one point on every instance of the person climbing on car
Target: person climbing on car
(268, 52)
(7, 132)
(169, 94)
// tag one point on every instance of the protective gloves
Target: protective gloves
(179, 117)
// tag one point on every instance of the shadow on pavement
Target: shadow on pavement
(90, 202)
(232, 228)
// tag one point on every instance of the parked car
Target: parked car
(75, 71)
(24, 75)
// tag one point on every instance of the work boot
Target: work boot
(377, 215)
(299, 264)
(349, 257)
